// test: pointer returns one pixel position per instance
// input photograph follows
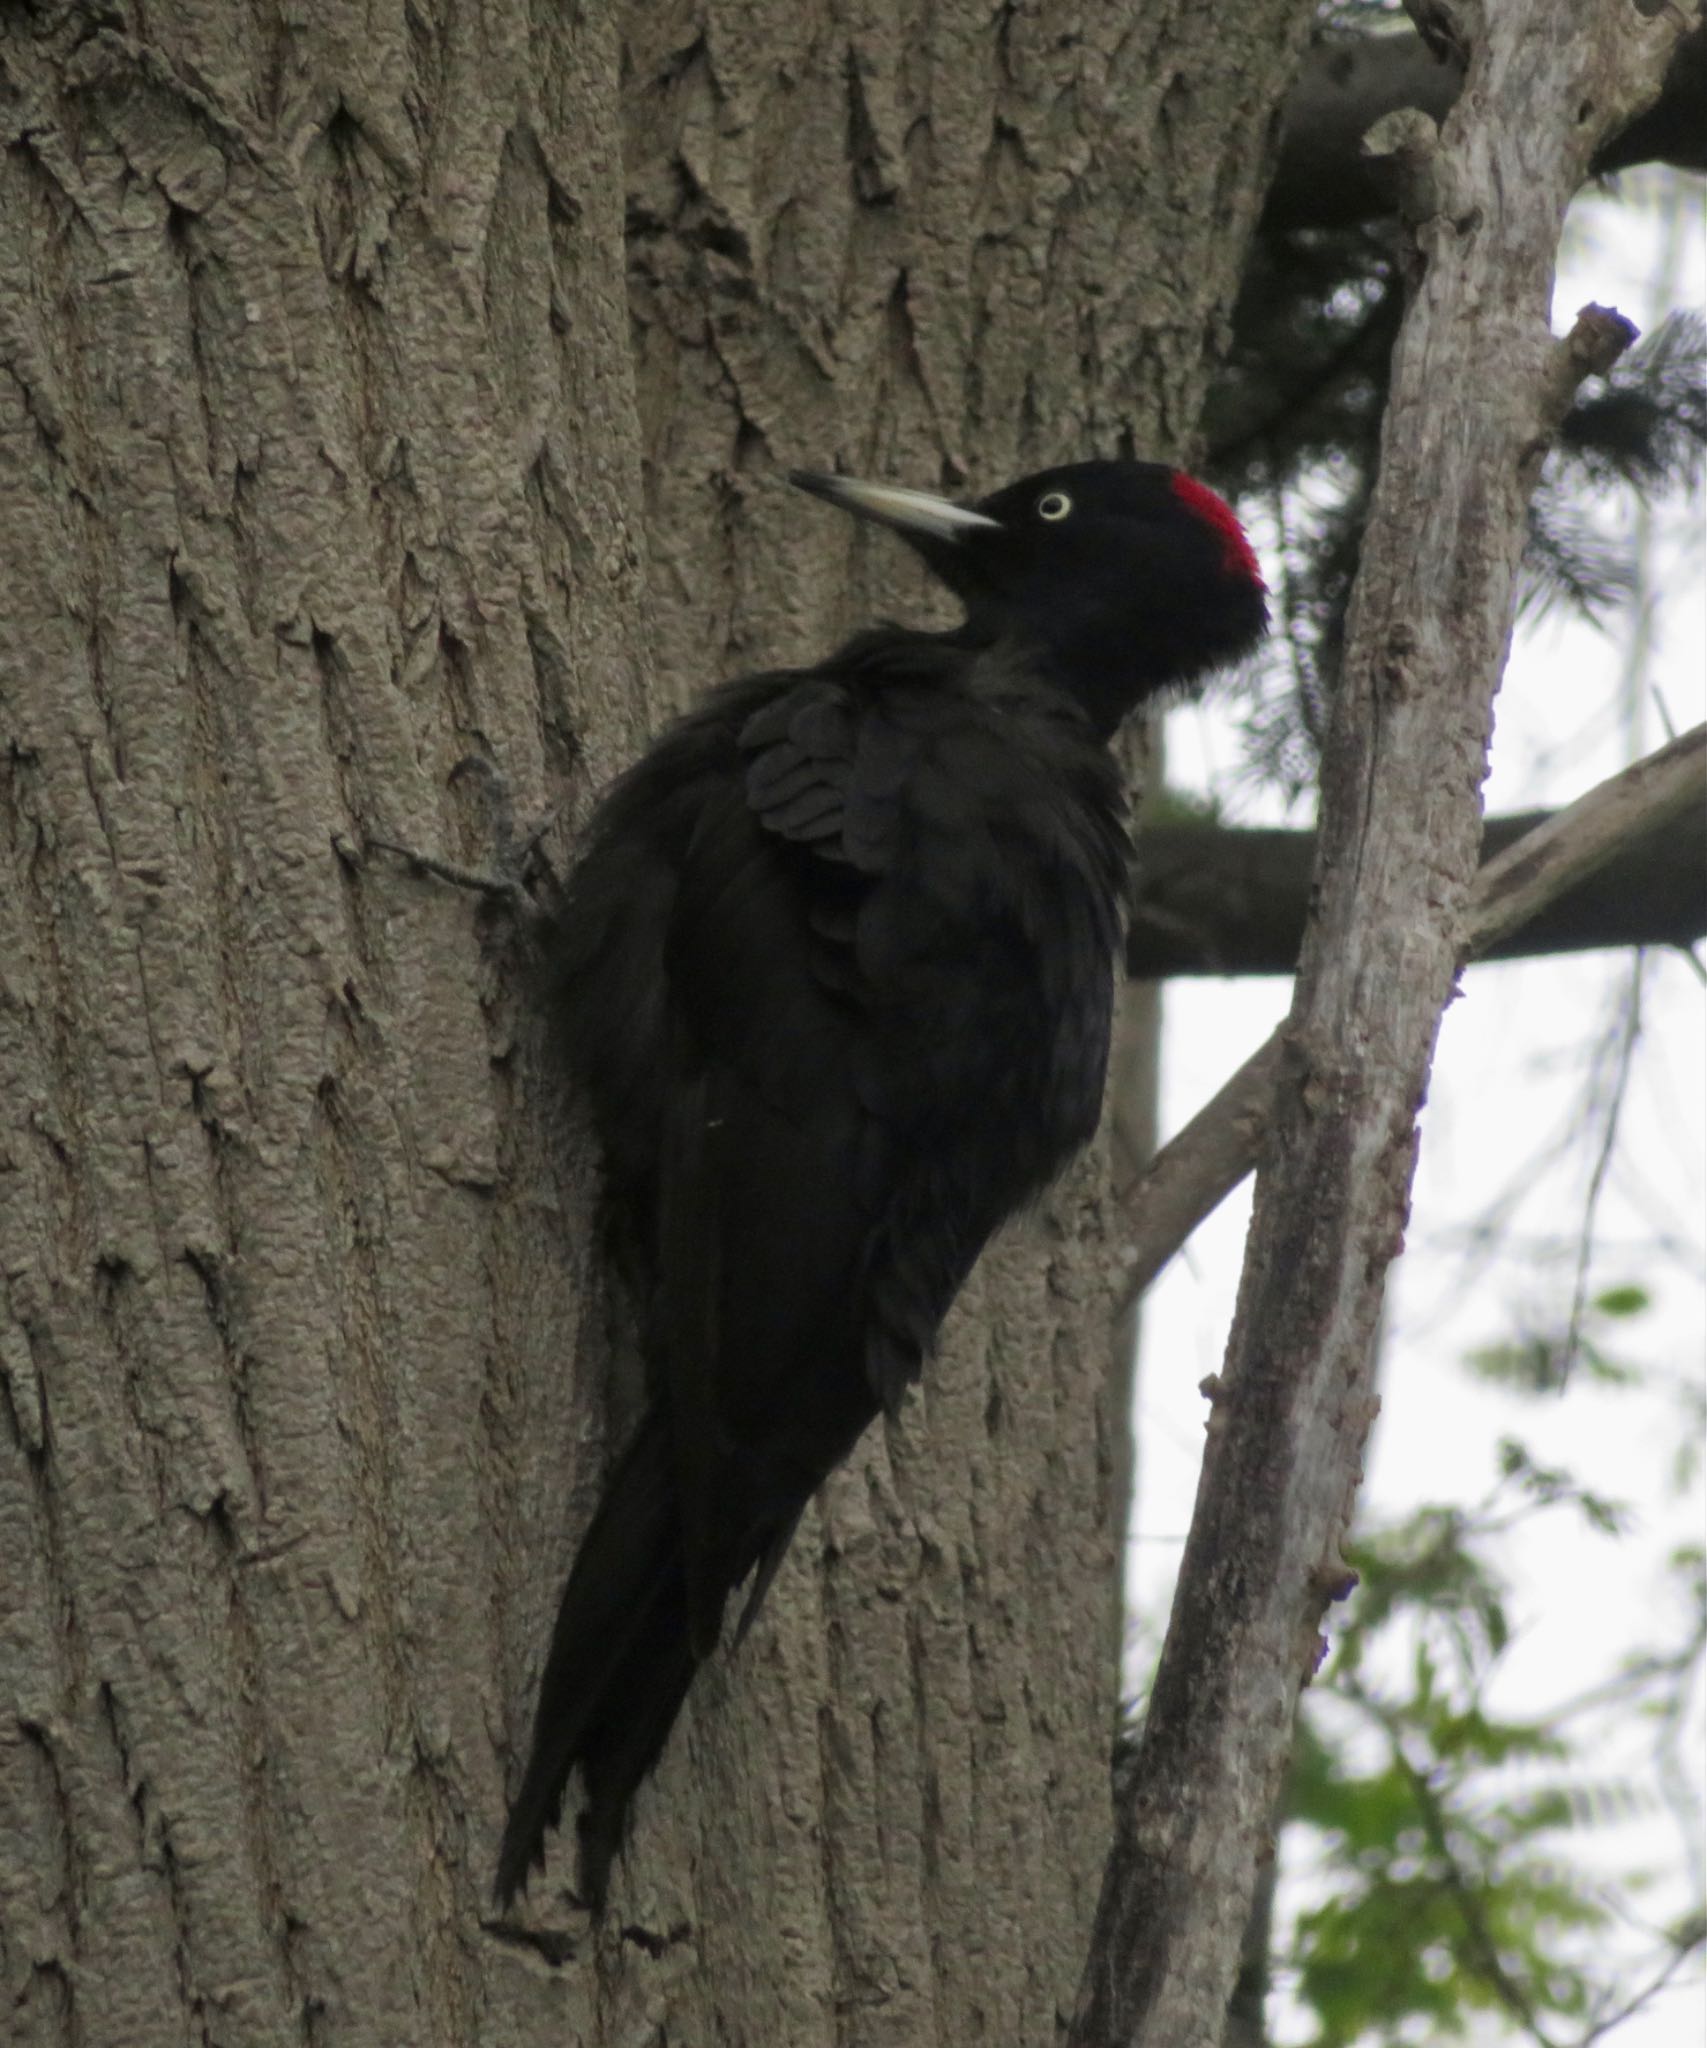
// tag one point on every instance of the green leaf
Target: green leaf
(1623, 1301)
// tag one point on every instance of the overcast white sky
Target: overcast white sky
(1507, 1120)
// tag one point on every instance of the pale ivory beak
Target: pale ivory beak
(894, 505)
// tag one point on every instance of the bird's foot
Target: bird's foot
(521, 877)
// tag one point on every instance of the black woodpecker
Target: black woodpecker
(837, 968)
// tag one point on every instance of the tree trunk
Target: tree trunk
(336, 443)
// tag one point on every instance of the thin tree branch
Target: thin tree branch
(1626, 1033)
(1477, 391)
(1216, 899)
(1646, 1993)
(1199, 1168)
(1646, 797)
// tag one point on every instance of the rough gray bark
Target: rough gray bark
(335, 442)
(305, 490)
(1217, 900)
(1477, 388)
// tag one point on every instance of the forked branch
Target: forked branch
(1475, 391)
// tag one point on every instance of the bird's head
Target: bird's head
(1127, 578)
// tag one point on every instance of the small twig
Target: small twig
(1628, 1030)
(1680, 1954)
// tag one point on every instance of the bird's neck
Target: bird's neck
(1095, 674)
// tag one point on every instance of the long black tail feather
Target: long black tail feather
(619, 1668)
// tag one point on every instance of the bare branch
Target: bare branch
(1642, 799)
(1693, 1939)
(1199, 1168)
(1230, 900)
(1608, 1093)
(1475, 377)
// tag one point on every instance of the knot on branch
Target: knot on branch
(1428, 184)
(1598, 338)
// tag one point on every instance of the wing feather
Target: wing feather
(852, 930)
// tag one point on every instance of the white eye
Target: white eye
(1054, 505)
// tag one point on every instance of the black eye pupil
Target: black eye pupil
(1054, 505)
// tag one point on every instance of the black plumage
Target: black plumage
(837, 971)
